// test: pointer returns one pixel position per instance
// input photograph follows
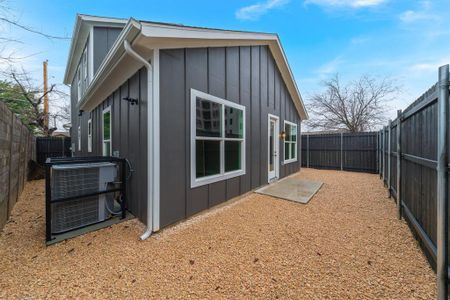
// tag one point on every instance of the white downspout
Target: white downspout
(150, 135)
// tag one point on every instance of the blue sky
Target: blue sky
(404, 40)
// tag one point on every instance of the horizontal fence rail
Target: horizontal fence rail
(414, 165)
(341, 151)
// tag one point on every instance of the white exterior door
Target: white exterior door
(273, 148)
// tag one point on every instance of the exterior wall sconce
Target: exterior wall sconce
(283, 135)
(80, 113)
(132, 101)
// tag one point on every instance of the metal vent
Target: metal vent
(71, 182)
(78, 180)
(74, 214)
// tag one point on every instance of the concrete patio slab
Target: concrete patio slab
(292, 188)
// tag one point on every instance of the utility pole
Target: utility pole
(46, 125)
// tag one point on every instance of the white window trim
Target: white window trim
(89, 135)
(108, 109)
(79, 137)
(84, 62)
(223, 175)
(91, 54)
(79, 83)
(286, 161)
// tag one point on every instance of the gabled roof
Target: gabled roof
(83, 25)
(145, 35)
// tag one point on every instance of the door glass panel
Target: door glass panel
(271, 145)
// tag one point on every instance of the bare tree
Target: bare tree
(7, 18)
(22, 89)
(358, 106)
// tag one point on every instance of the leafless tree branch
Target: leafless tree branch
(357, 106)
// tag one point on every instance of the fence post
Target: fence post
(384, 154)
(389, 160)
(307, 150)
(442, 180)
(342, 151)
(381, 154)
(399, 161)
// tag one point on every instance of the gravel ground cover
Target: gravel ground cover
(345, 243)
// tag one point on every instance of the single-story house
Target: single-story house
(203, 115)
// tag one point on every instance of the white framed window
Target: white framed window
(89, 135)
(106, 131)
(84, 63)
(79, 138)
(79, 83)
(217, 139)
(290, 142)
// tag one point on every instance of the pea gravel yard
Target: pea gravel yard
(345, 243)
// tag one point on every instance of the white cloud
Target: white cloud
(430, 65)
(253, 12)
(411, 16)
(346, 3)
(330, 67)
(422, 14)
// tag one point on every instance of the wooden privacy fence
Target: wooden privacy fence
(17, 148)
(52, 147)
(414, 166)
(341, 151)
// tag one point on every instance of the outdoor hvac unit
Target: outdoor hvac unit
(75, 180)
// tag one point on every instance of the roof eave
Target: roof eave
(134, 28)
(130, 32)
(81, 19)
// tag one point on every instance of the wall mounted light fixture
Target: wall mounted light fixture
(283, 135)
(80, 113)
(132, 101)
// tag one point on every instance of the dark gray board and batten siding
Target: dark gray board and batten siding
(129, 123)
(129, 135)
(245, 75)
(104, 38)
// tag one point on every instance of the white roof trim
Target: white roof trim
(82, 25)
(113, 57)
(163, 36)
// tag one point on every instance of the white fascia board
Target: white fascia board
(68, 76)
(161, 36)
(288, 76)
(167, 31)
(113, 57)
(81, 30)
(166, 36)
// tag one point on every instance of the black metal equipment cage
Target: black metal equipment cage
(118, 187)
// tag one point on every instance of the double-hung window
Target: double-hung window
(85, 69)
(89, 135)
(290, 142)
(217, 139)
(79, 138)
(79, 83)
(106, 134)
